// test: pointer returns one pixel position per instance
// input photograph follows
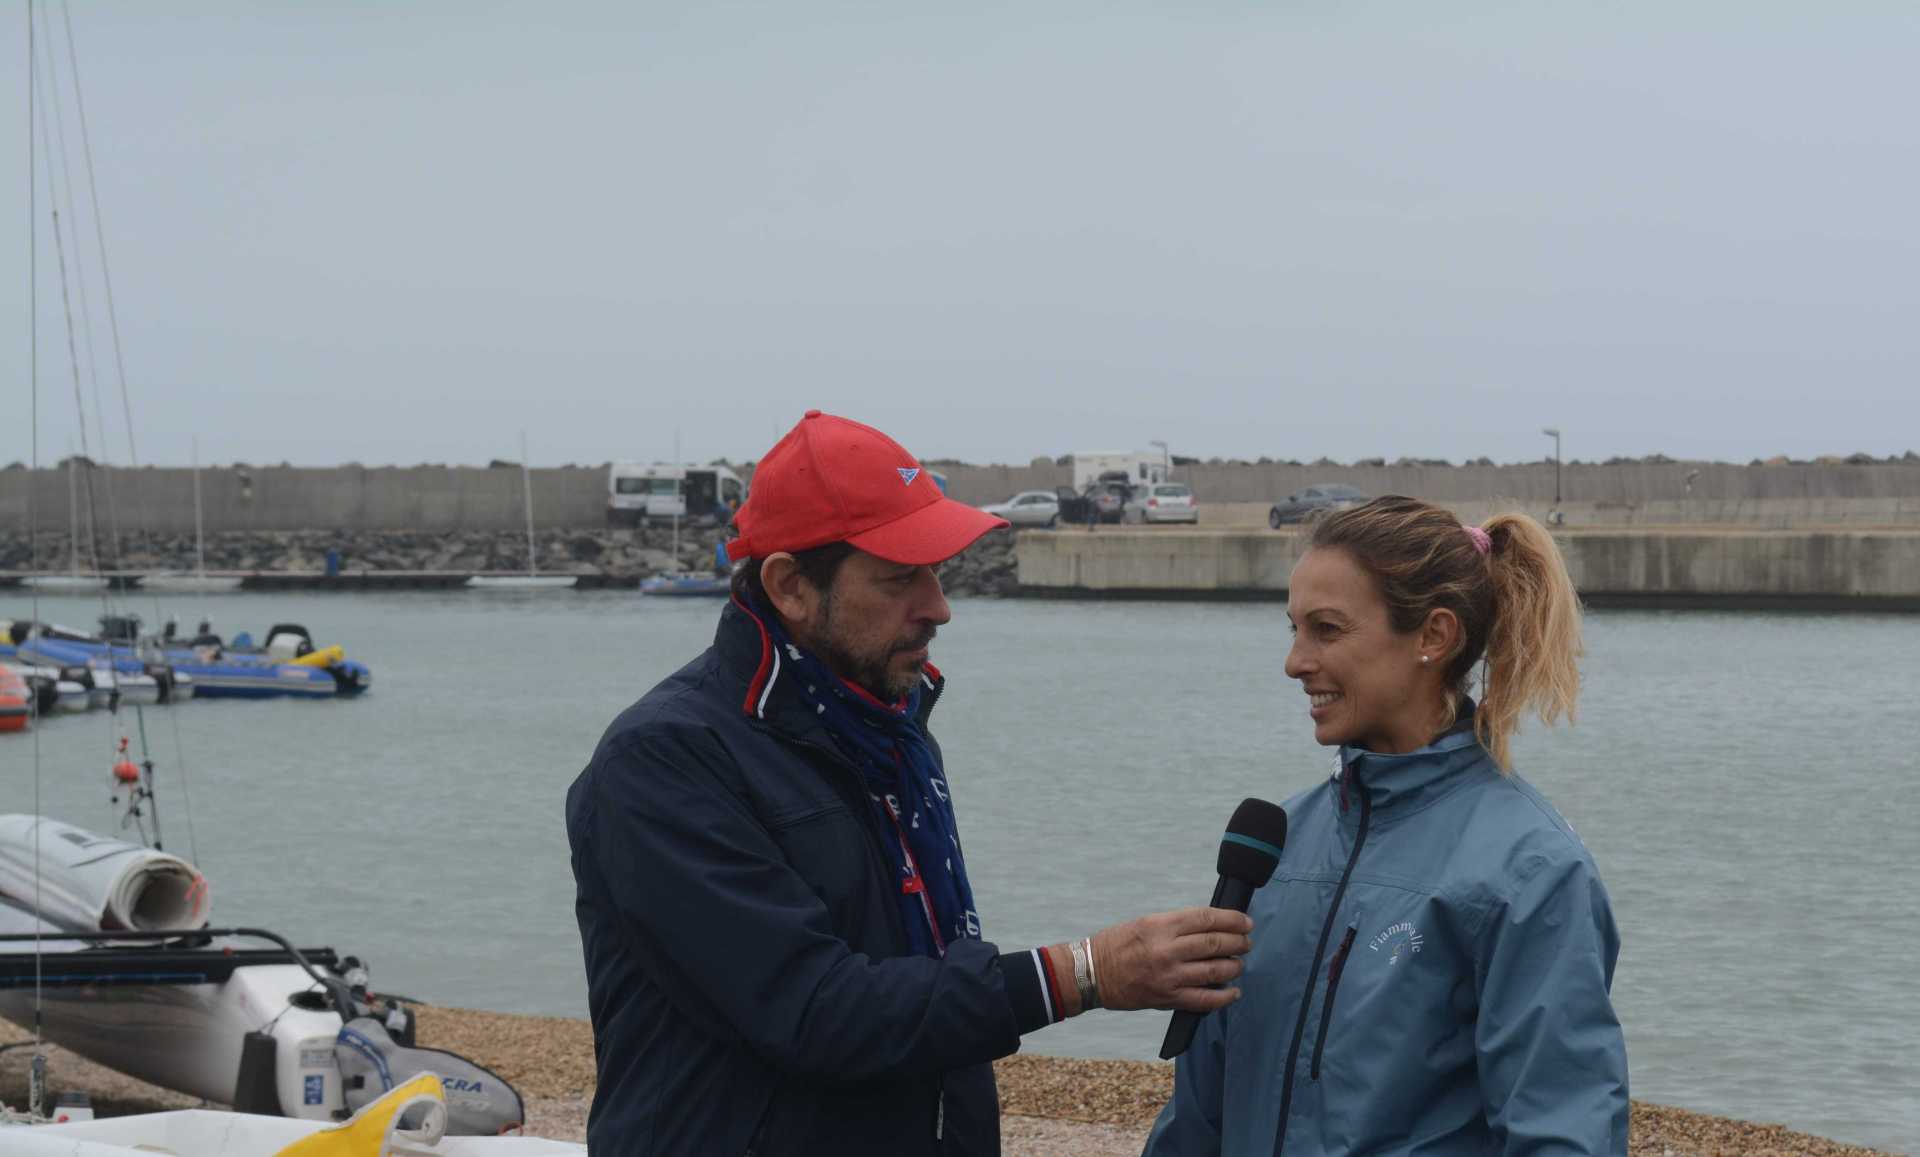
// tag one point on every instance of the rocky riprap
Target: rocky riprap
(986, 569)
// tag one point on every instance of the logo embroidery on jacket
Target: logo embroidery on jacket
(1403, 937)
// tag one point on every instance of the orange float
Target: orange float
(16, 701)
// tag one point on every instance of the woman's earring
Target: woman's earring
(1423, 660)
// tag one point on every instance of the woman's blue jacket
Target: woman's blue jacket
(1430, 975)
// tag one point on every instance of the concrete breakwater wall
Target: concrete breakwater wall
(427, 560)
(1814, 569)
(438, 498)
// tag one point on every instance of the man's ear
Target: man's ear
(787, 589)
(1441, 636)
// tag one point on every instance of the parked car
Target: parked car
(1072, 505)
(1162, 502)
(1109, 499)
(1028, 508)
(1312, 503)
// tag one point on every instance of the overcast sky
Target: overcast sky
(402, 232)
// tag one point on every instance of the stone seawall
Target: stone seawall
(1865, 570)
(613, 558)
(439, 498)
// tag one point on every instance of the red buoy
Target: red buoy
(126, 771)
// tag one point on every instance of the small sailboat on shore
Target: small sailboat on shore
(199, 582)
(75, 581)
(533, 579)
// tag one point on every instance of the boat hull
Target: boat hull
(522, 582)
(209, 1133)
(188, 1037)
(190, 583)
(64, 582)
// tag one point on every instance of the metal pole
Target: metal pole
(199, 527)
(1556, 468)
(526, 484)
(1554, 433)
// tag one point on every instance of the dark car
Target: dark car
(1109, 499)
(1312, 503)
(1073, 505)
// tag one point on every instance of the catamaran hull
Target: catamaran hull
(188, 1037)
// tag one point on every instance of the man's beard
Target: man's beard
(869, 669)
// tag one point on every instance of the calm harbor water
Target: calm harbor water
(1746, 781)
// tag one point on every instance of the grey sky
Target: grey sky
(397, 233)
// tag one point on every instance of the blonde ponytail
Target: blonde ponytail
(1533, 640)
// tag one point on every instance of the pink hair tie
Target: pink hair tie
(1482, 541)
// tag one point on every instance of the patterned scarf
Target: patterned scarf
(904, 782)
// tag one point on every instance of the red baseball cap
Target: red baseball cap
(834, 480)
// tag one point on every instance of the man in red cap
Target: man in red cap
(782, 950)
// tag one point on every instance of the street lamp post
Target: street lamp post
(1554, 433)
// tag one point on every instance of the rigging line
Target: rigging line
(99, 230)
(186, 794)
(79, 405)
(143, 530)
(86, 331)
(33, 388)
(79, 250)
(73, 353)
(126, 404)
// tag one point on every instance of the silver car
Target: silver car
(1028, 508)
(1162, 502)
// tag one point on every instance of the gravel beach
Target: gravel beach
(1051, 1105)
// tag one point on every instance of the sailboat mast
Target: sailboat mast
(526, 485)
(73, 514)
(199, 529)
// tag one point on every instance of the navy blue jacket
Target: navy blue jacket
(747, 972)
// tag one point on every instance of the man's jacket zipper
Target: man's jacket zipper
(1320, 954)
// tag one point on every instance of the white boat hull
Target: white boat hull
(206, 1133)
(191, 583)
(71, 698)
(188, 1037)
(523, 582)
(64, 582)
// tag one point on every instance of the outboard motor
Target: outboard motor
(120, 628)
(479, 1102)
(288, 641)
(162, 675)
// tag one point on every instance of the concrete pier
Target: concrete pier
(1732, 568)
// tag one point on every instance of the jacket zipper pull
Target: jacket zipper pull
(940, 1115)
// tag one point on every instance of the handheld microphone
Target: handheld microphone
(1249, 852)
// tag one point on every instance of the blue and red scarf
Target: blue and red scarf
(909, 793)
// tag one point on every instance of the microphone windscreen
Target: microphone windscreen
(1250, 850)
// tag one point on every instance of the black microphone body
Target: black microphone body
(1232, 893)
(1249, 852)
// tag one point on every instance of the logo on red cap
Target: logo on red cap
(822, 483)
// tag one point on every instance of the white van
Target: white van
(656, 492)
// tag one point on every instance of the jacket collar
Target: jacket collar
(1399, 785)
(762, 677)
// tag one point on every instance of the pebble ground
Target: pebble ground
(1052, 1106)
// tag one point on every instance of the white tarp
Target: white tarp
(89, 882)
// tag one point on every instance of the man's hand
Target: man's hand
(1170, 959)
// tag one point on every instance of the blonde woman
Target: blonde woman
(1432, 960)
